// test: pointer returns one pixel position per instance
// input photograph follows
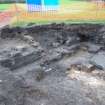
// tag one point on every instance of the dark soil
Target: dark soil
(64, 72)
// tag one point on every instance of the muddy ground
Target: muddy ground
(65, 70)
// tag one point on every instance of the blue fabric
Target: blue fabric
(34, 2)
(46, 2)
(51, 2)
(39, 5)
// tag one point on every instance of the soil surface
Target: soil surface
(64, 72)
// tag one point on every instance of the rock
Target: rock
(53, 56)
(30, 40)
(85, 67)
(8, 32)
(27, 38)
(35, 44)
(89, 67)
(83, 48)
(99, 60)
(40, 74)
(56, 44)
(100, 38)
(16, 58)
(93, 48)
(71, 40)
(64, 50)
(48, 70)
(60, 39)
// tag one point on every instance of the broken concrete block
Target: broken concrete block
(64, 50)
(99, 60)
(83, 48)
(85, 67)
(93, 48)
(14, 59)
(35, 44)
(53, 56)
(71, 40)
(88, 67)
(27, 38)
(56, 44)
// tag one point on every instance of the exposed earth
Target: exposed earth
(54, 64)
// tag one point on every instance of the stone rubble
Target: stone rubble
(20, 56)
(33, 60)
(99, 60)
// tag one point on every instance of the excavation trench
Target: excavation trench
(54, 64)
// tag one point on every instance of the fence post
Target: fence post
(16, 10)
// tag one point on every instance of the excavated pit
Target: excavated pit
(55, 64)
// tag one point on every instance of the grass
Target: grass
(4, 7)
(25, 23)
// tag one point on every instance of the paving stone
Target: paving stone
(99, 60)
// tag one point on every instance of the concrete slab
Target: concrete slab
(99, 60)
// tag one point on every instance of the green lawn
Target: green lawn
(68, 2)
(4, 6)
(24, 23)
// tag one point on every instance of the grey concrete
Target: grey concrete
(99, 60)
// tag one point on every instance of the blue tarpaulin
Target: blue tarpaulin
(51, 2)
(36, 2)
(41, 5)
